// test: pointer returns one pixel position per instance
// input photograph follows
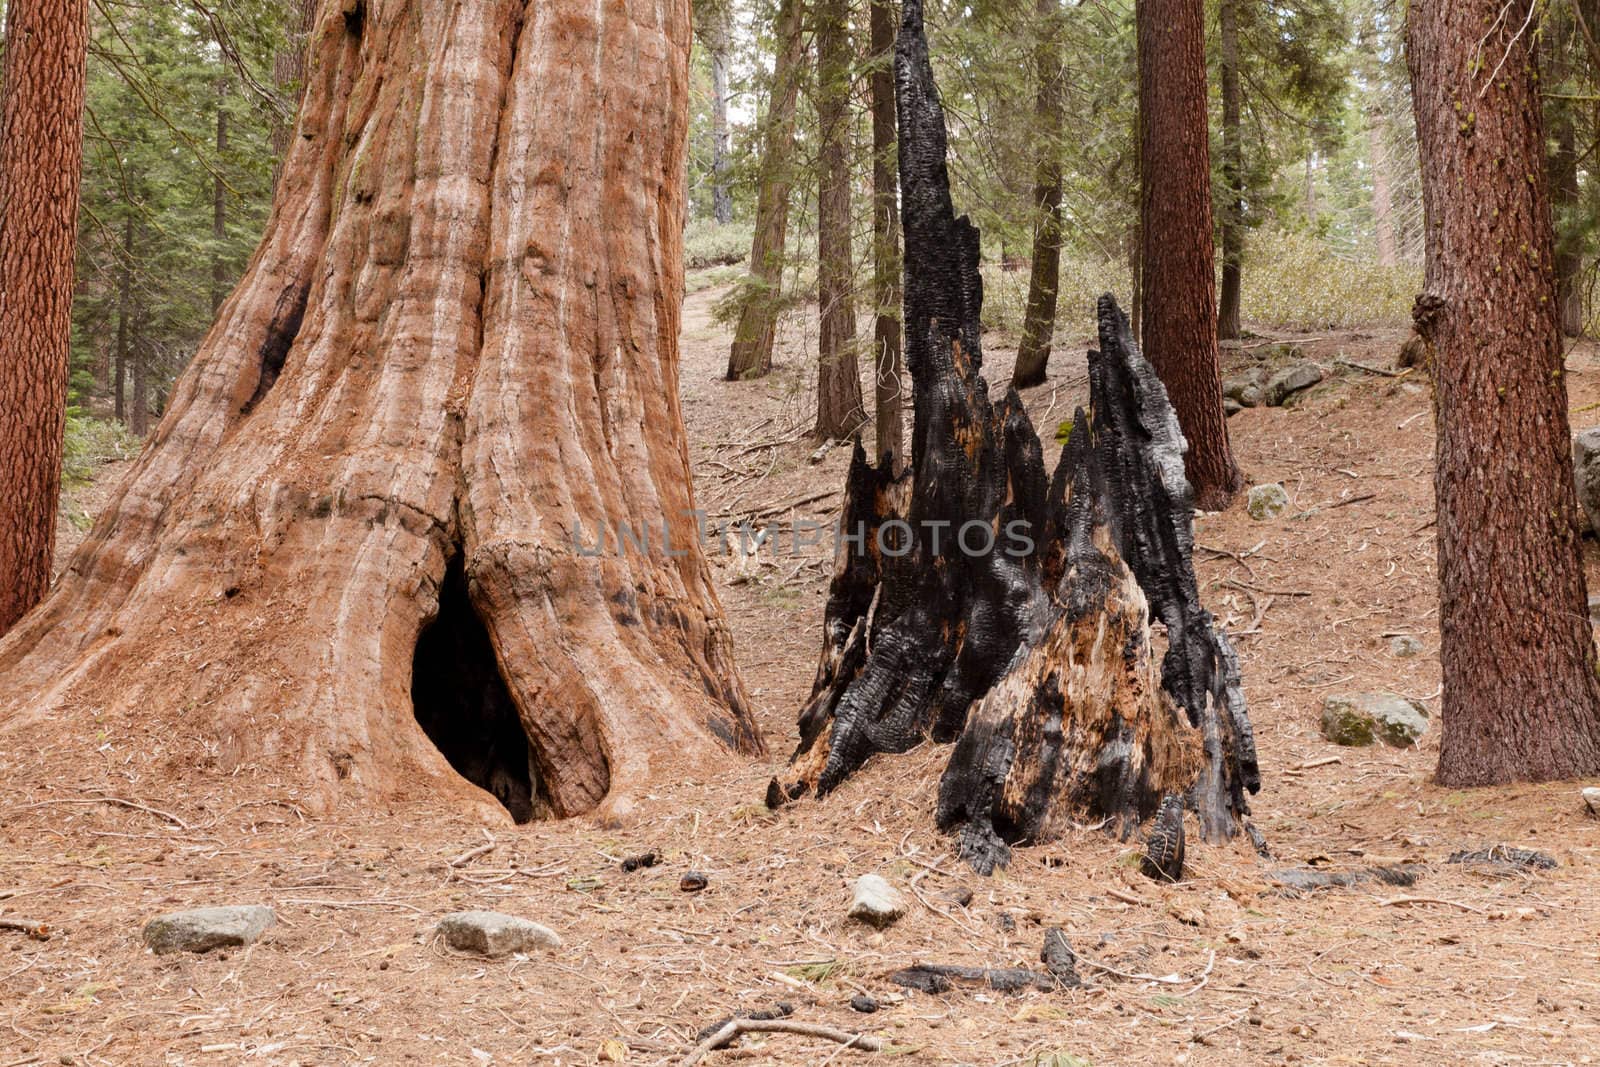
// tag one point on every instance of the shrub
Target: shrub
(706, 244)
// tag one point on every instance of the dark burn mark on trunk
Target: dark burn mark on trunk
(463, 705)
(281, 332)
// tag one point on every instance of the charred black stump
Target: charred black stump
(983, 601)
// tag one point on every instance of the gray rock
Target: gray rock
(1247, 389)
(1586, 472)
(204, 929)
(490, 933)
(1594, 611)
(1266, 501)
(1231, 407)
(1290, 381)
(876, 902)
(1405, 646)
(1591, 800)
(1358, 719)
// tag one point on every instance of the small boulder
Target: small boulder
(490, 933)
(1291, 380)
(1247, 389)
(1267, 501)
(1231, 407)
(1358, 719)
(1591, 800)
(876, 902)
(1405, 646)
(204, 929)
(1586, 472)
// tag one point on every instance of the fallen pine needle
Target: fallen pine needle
(734, 1027)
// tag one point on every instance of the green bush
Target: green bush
(1083, 281)
(706, 244)
(91, 442)
(1292, 281)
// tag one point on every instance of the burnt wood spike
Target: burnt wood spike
(922, 638)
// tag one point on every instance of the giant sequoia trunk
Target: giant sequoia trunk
(452, 357)
(1520, 698)
(977, 599)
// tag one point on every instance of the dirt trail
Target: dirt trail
(1471, 965)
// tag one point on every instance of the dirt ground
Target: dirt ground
(1473, 965)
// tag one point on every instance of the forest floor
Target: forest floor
(1474, 964)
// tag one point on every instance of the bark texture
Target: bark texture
(979, 600)
(1179, 290)
(41, 155)
(1520, 698)
(751, 353)
(1382, 188)
(839, 409)
(458, 338)
(1566, 192)
(717, 45)
(888, 361)
(1231, 222)
(1044, 279)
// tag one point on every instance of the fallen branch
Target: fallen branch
(734, 1027)
(472, 854)
(1396, 901)
(37, 930)
(1343, 362)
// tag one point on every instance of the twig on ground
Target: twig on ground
(734, 1027)
(1394, 901)
(1343, 362)
(37, 930)
(473, 853)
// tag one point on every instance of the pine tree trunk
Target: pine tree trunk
(1180, 284)
(1232, 220)
(888, 365)
(452, 358)
(977, 599)
(124, 313)
(1039, 318)
(751, 353)
(219, 204)
(1382, 194)
(1565, 194)
(41, 153)
(288, 76)
(139, 406)
(1520, 698)
(721, 195)
(839, 410)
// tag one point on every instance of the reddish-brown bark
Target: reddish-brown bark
(1520, 698)
(839, 410)
(1179, 290)
(455, 347)
(41, 155)
(1231, 220)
